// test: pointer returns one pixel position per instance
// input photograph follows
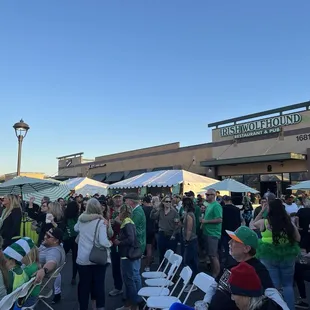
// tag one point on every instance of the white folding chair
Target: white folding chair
(163, 302)
(174, 259)
(8, 301)
(46, 291)
(158, 273)
(149, 291)
(202, 281)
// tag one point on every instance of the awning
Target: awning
(134, 173)
(253, 159)
(115, 177)
(99, 177)
(162, 168)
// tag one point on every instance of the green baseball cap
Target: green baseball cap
(244, 235)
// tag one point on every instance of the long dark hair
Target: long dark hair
(188, 204)
(280, 222)
(72, 211)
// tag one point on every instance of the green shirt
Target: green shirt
(138, 217)
(197, 217)
(213, 211)
(30, 270)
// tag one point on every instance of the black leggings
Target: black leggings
(92, 279)
(70, 244)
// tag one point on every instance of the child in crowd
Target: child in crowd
(31, 266)
(14, 255)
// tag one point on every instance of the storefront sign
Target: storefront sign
(260, 127)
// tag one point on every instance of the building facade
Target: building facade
(116, 167)
(264, 150)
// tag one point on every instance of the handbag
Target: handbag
(135, 252)
(98, 254)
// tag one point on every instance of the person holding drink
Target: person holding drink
(168, 222)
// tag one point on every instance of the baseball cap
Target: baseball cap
(190, 194)
(57, 233)
(116, 195)
(244, 235)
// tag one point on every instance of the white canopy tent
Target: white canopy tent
(166, 178)
(232, 185)
(86, 186)
(305, 185)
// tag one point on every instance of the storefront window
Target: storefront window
(223, 177)
(299, 176)
(252, 180)
(286, 177)
(271, 177)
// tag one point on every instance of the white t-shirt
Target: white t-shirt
(293, 208)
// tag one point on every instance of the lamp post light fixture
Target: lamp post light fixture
(21, 129)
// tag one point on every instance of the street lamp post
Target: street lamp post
(21, 129)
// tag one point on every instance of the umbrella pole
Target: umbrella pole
(23, 211)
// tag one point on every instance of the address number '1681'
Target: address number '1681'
(303, 137)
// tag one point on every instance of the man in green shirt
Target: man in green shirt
(212, 230)
(138, 217)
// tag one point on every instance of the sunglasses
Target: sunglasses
(168, 201)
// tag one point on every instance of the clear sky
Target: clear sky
(109, 76)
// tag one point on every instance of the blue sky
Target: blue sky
(110, 76)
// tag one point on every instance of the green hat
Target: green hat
(19, 249)
(244, 235)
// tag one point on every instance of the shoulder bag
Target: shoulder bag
(98, 254)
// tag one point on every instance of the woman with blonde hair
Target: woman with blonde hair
(91, 226)
(10, 220)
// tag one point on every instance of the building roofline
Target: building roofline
(301, 105)
(70, 155)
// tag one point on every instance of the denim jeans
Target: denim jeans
(165, 243)
(191, 256)
(282, 276)
(132, 279)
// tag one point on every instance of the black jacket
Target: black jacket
(126, 237)
(11, 227)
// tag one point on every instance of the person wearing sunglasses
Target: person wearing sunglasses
(168, 222)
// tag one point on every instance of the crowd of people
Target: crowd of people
(266, 248)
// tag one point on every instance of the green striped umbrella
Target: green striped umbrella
(25, 185)
(61, 191)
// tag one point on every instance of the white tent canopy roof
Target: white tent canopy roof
(78, 183)
(232, 185)
(91, 190)
(305, 185)
(163, 178)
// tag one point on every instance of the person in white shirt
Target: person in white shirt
(91, 276)
(291, 207)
